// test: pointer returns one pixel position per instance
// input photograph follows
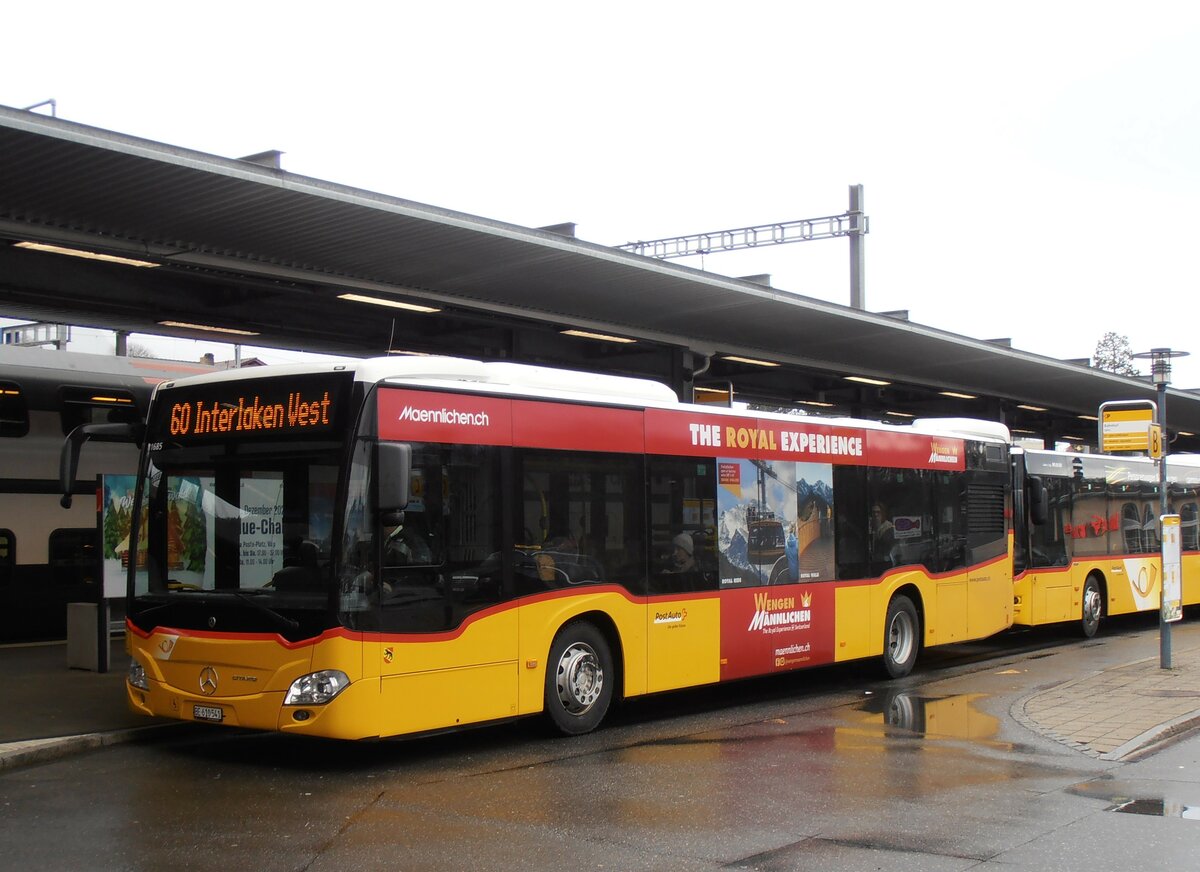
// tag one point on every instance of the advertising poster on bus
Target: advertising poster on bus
(774, 522)
(775, 539)
(776, 627)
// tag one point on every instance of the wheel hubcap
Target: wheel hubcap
(1091, 605)
(579, 678)
(900, 638)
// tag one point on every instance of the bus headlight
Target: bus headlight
(316, 688)
(137, 676)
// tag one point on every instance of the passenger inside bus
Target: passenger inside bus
(301, 567)
(883, 538)
(682, 572)
(683, 558)
(404, 543)
(560, 563)
(683, 555)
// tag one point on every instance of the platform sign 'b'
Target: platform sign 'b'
(1156, 441)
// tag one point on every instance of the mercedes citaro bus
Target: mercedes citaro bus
(397, 546)
(1087, 540)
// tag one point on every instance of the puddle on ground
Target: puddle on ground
(1158, 808)
(1129, 798)
(953, 717)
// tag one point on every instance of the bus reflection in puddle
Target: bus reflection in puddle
(951, 717)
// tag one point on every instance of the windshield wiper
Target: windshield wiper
(145, 613)
(243, 595)
(283, 620)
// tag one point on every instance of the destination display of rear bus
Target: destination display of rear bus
(393, 547)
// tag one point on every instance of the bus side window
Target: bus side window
(1150, 542)
(851, 527)
(579, 520)
(950, 510)
(1131, 528)
(683, 498)
(441, 557)
(1189, 522)
(1048, 541)
(901, 521)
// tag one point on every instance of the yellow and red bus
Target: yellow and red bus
(1087, 543)
(399, 546)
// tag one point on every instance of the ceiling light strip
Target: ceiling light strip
(862, 379)
(603, 337)
(87, 255)
(186, 325)
(750, 360)
(383, 301)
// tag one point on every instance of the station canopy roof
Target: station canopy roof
(246, 246)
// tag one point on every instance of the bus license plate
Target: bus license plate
(208, 713)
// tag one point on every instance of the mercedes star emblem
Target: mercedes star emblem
(208, 681)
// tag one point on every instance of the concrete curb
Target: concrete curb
(1018, 714)
(32, 751)
(1147, 738)
(1164, 731)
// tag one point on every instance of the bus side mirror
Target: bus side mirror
(395, 468)
(68, 459)
(1036, 490)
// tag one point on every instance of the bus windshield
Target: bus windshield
(236, 505)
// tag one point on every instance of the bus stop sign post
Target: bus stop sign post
(1127, 425)
(1160, 372)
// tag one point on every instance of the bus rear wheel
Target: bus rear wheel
(1093, 607)
(579, 679)
(901, 638)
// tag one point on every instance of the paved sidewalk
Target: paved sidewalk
(51, 710)
(1113, 713)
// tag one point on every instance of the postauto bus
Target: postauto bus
(1087, 541)
(385, 547)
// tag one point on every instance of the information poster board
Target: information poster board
(1172, 594)
(1125, 425)
(116, 516)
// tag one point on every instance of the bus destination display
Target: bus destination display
(276, 407)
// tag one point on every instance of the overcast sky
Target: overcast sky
(1030, 168)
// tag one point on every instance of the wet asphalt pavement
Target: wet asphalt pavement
(830, 770)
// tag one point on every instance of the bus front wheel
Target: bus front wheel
(579, 679)
(900, 637)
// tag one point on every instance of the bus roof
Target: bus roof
(502, 377)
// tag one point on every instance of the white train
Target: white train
(48, 554)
